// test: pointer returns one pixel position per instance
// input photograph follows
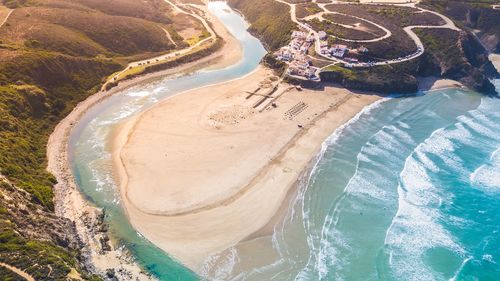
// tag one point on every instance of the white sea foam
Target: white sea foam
(488, 175)
(139, 94)
(365, 111)
(457, 273)
(317, 258)
(416, 228)
(219, 266)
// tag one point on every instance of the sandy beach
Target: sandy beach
(495, 59)
(69, 201)
(435, 83)
(205, 169)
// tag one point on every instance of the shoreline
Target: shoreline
(435, 83)
(279, 173)
(150, 222)
(70, 202)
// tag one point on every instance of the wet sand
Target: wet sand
(69, 201)
(203, 170)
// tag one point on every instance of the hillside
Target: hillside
(54, 54)
(477, 15)
(269, 21)
(449, 54)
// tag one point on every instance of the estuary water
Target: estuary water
(90, 153)
(407, 190)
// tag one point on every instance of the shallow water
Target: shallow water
(408, 190)
(90, 155)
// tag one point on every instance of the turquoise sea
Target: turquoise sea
(407, 190)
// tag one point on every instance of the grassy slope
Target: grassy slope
(392, 18)
(83, 32)
(474, 14)
(54, 54)
(270, 20)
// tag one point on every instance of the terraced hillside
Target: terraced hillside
(54, 54)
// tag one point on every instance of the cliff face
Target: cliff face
(384, 80)
(448, 54)
(477, 16)
(457, 56)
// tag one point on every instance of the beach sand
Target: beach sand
(69, 201)
(435, 83)
(203, 170)
(495, 59)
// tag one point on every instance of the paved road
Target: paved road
(409, 30)
(319, 15)
(171, 54)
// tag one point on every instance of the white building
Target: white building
(338, 50)
(362, 50)
(299, 34)
(322, 35)
(285, 54)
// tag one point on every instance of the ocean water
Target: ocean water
(407, 190)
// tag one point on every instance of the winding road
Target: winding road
(387, 34)
(409, 30)
(169, 55)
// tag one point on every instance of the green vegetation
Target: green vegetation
(270, 21)
(476, 15)
(151, 10)
(270, 61)
(28, 237)
(37, 90)
(83, 32)
(307, 9)
(381, 79)
(443, 45)
(332, 26)
(54, 54)
(8, 275)
(186, 58)
(449, 54)
(392, 18)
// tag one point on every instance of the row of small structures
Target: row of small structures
(295, 54)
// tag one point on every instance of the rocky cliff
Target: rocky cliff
(448, 54)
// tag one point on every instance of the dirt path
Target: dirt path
(169, 36)
(320, 15)
(18, 271)
(6, 16)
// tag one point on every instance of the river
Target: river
(407, 190)
(89, 146)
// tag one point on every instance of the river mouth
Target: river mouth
(420, 175)
(90, 145)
